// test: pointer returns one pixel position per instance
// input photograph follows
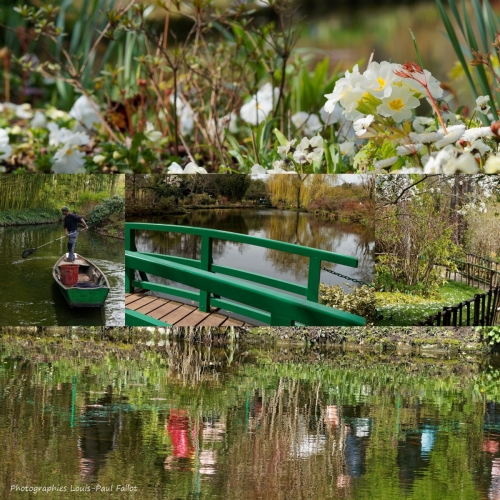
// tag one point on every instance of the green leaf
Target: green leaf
(281, 138)
(133, 155)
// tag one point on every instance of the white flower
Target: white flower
(190, 168)
(432, 166)
(399, 104)
(347, 148)
(479, 147)
(410, 170)
(24, 111)
(361, 125)
(408, 149)
(492, 165)
(455, 132)
(289, 146)
(426, 137)
(309, 150)
(380, 76)
(465, 164)
(472, 134)
(68, 160)
(55, 114)
(151, 134)
(83, 111)
(433, 85)
(186, 115)
(5, 148)
(99, 159)
(39, 120)
(385, 163)
(482, 104)
(260, 106)
(349, 91)
(420, 123)
(62, 135)
(258, 169)
(309, 122)
(332, 117)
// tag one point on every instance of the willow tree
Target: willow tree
(290, 190)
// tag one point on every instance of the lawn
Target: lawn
(398, 309)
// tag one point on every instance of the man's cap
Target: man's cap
(64, 209)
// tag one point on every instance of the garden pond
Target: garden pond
(30, 295)
(184, 421)
(299, 228)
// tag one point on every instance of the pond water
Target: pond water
(29, 294)
(197, 422)
(291, 227)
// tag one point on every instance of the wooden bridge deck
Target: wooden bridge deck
(176, 313)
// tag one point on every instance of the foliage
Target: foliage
(482, 234)
(28, 216)
(360, 301)
(482, 55)
(100, 213)
(491, 334)
(19, 192)
(413, 237)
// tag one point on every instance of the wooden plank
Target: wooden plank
(213, 320)
(133, 298)
(197, 316)
(152, 306)
(175, 317)
(164, 310)
(232, 322)
(141, 302)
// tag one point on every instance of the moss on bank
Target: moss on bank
(429, 339)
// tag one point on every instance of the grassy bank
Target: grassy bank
(29, 216)
(429, 339)
(399, 309)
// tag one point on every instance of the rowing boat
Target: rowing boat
(89, 289)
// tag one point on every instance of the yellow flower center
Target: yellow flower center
(258, 106)
(396, 104)
(382, 82)
(69, 152)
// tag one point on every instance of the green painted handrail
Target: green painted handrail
(282, 309)
(316, 256)
(134, 318)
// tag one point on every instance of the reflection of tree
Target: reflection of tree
(99, 434)
(319, 233)
(291, 227)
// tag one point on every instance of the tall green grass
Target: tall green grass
(461, 25)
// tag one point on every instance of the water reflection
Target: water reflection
(218, 423)
(292, 227)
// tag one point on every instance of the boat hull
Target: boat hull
(88, 273)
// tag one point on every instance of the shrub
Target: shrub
(361, 301)
(103, 211)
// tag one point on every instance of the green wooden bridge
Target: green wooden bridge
(219, 287)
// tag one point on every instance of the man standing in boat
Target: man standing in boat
(71, 228)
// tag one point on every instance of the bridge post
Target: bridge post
(313, 279)
(206, 265)
(129, 245)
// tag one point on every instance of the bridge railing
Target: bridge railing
(233, 289)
